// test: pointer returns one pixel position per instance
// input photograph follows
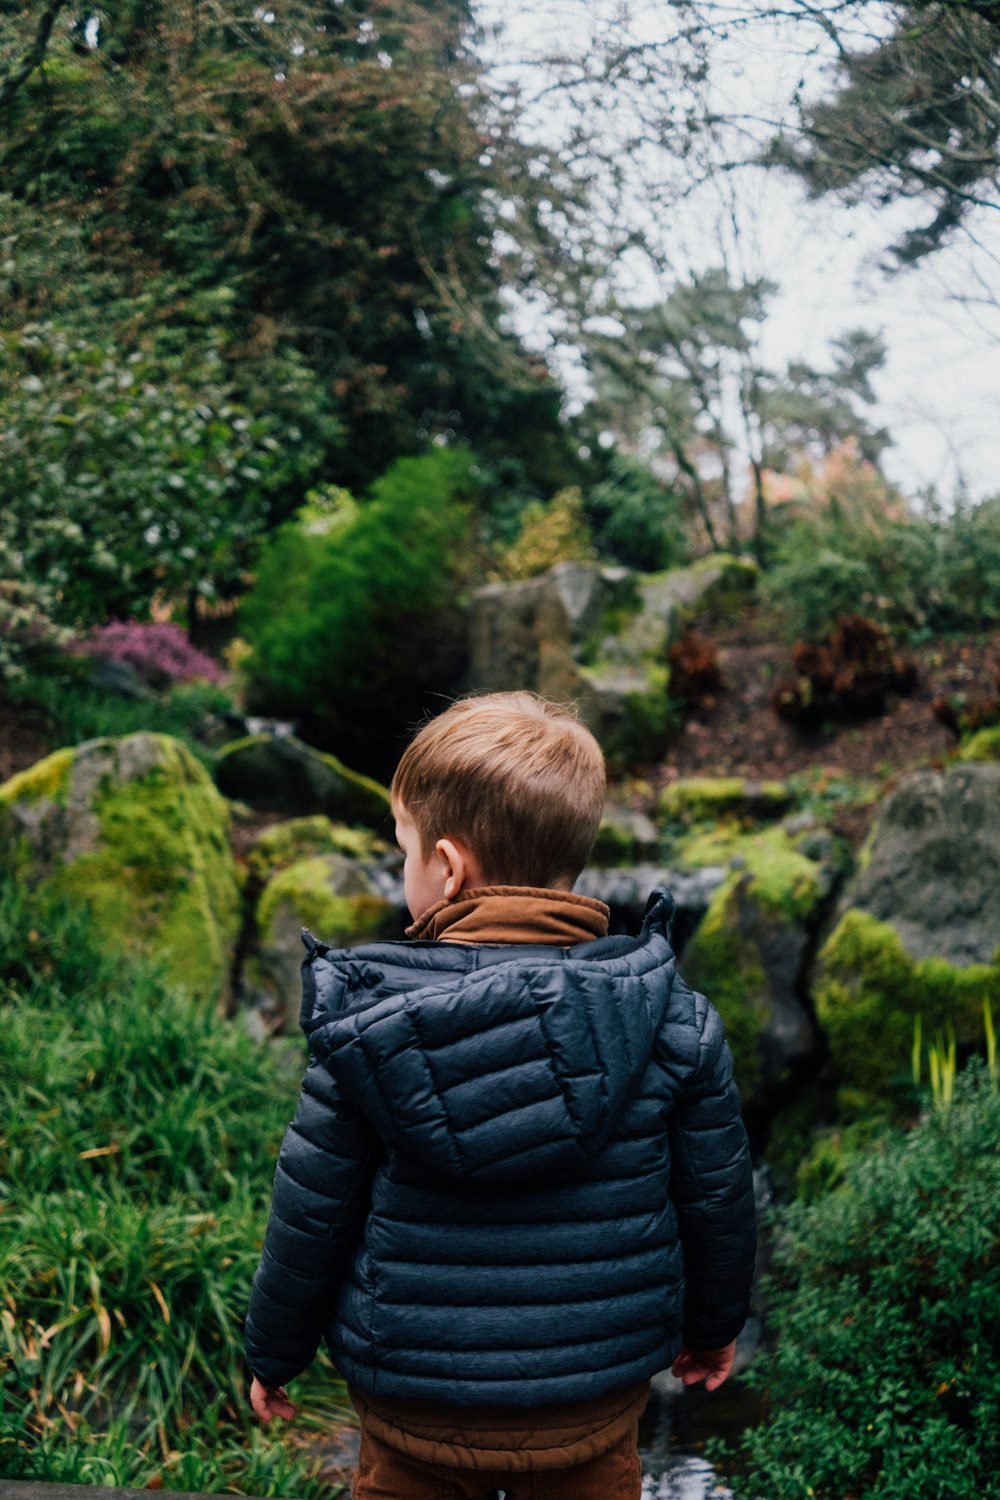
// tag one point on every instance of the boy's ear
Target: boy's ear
(460, 867)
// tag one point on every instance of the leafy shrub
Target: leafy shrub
(76, 710)
(814, 586)
(353, 616)
(549, 534)
(137, 1140)
(26, 625)
(967, 576)
(636, 520)
(925, 569)
(847, 678)
(160, 652)
(884, 1381)
(695, 674)
(123, 473)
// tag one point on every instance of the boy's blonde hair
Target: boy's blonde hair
(516, 778)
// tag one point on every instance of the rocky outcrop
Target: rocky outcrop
(929, 866)
(917, 931)
(288, 843)
(339, 898)
(597, 637)
(749, 952)
(134, 829)
(281, 773)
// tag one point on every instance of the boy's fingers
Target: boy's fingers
(271, 1401)
(259, 1404)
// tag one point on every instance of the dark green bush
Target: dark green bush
(925, 571)
(884, 1312)
(636, 520)
(353, 617)
(78, 710)
(814, 586)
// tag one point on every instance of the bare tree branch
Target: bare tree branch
(10, 84)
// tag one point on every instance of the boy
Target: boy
(517, 1183)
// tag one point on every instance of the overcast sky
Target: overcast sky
(939, 390)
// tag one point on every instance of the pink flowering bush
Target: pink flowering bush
(160, 653)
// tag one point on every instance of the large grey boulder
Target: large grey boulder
(915, 947)
(597, 637)
(931, 866)
(626, 892)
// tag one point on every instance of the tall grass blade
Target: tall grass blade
(991, 1043)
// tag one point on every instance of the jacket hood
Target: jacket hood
(492, 1064)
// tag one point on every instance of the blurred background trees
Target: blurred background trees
(248, 254)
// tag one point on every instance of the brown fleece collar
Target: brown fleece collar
(514, 914)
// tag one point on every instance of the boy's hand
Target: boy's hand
(710, 1365)
(271, 1401)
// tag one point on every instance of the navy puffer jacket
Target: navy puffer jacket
(516, 1174)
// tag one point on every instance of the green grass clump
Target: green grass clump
(78, 711)
(884, 1381)
(138, 1133)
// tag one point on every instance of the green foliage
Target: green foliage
(684, 379)
(815, 587)
(238, 151)
(77, 711)
(355, 611)
(925, 569)
(884, 1380)
(127, 472)
(136, 1150)
(549, 534)
(905, 119)
(636, 520)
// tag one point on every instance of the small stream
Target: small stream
(676, 1424)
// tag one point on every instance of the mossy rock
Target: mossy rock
(287, 843)
(869, 992)
(747, 953)
(782, 877)
(625, 837)
(698, 799)
(134, 829)
(929, 865)
(627, 708)
(984, 745)
(334, 896)
(281, 773)
(713, 585)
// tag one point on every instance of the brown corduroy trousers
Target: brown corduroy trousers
(386, 1474)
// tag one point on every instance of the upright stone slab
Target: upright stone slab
(597, 637)
(134, 829)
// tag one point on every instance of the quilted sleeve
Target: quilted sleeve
(711, 1185)
(322, 1190)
